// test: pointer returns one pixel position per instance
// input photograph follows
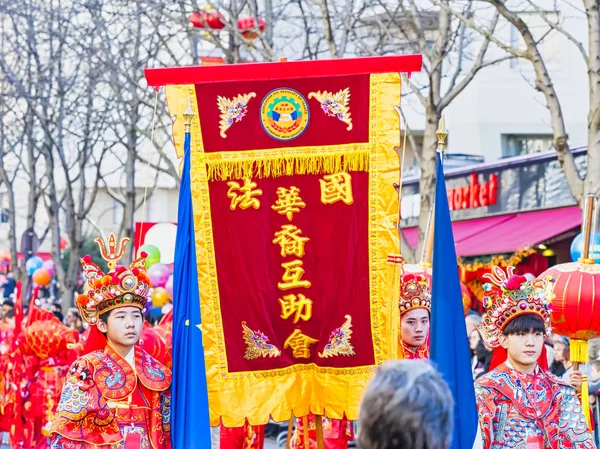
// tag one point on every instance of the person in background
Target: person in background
(9, 285)
(471, 321)
(7, 306)
(549, 344)
(407, 405)
(56, 309)
(561, 356)
(73, 319)
(474, 339)
(594, 391)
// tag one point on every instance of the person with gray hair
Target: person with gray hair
(407, 405)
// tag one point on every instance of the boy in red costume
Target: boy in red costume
(117, 396)
(415, 311)
(521, 405)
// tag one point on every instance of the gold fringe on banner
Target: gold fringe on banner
(275, 163)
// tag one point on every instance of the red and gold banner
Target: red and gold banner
(295, 205)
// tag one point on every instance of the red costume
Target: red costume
(6, 342)
(246, 437)
(414, 294)
(336, 433)
(110, 401)
(519, 410)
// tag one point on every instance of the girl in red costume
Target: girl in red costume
(117, 396)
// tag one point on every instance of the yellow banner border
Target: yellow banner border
(230, 394)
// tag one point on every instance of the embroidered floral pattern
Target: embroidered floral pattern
(257, 344)
(335, 105)
(339, 341)
(232, 110)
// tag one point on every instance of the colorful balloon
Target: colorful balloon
(577, 247)
(153, 255)
(163, 236)
(41, 277)
(48, 265)
(160, 296)
(33, 263)
(158, 274)
(169, 285)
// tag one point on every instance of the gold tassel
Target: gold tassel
(579, 351)
(585, 401)
(274, 167)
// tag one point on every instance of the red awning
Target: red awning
(507, 233)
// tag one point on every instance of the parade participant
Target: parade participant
(117, 395)
(7, 306)
(521, 405)
(415, 310)
(336, 433)
(50, 347)
(244, 437)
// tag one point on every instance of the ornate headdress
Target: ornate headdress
(120, 287)
(414, 293)
(508, 296)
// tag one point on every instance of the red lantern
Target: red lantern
(63, 243)
(574, 313)
(249, 28)
(208, 18)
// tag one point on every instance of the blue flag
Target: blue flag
(449, 342)
(190, 426)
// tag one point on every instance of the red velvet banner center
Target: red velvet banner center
(293, 268)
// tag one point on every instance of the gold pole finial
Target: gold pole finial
(188, 115)
(442, 134)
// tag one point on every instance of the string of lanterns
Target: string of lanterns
(249, 27)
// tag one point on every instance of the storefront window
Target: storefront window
(519, 144)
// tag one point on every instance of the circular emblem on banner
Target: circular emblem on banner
(284, 114)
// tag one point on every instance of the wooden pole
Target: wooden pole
(319, 425)
(426, 257)
(588, 219)
(306, 437)
(288, 440)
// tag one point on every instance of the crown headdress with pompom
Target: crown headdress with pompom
(121, 286)
(509, 295)
(414, 293)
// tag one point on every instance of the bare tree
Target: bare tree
(531, 52)
(453, 53)
(73, 73)
(452, 58)
(63, 93)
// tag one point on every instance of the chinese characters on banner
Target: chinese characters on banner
(294, 205)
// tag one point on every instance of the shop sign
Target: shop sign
(474, 195)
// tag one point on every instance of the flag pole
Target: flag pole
(319, 426)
